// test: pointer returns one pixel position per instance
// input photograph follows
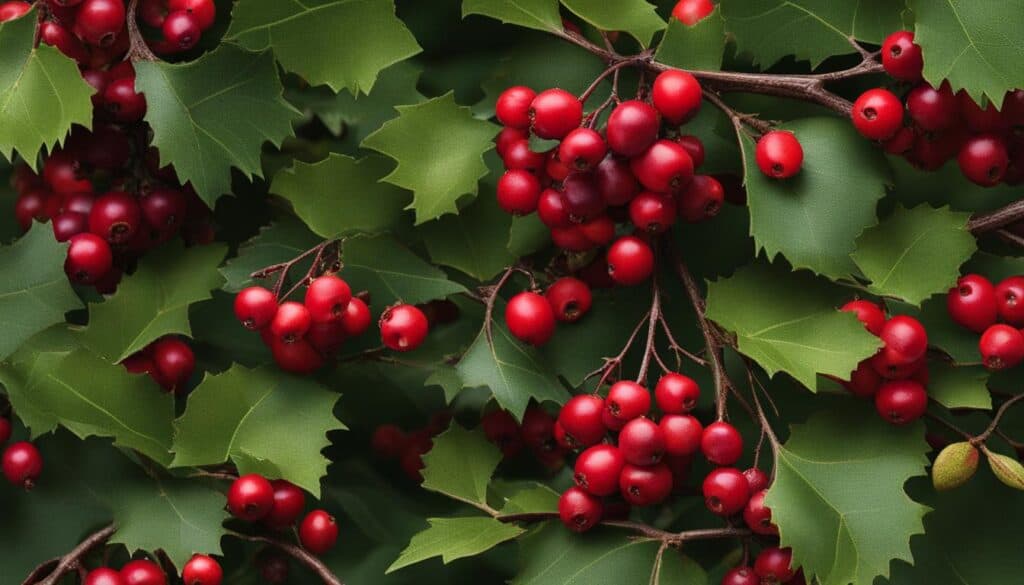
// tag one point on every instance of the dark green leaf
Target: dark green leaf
(455, 538)
(959, 386)
(636, 17)
(697, 47)
(392, 273)
(286, 238)
(460, 465)
(467, 241)
(538, 14)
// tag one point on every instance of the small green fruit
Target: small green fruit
(954, 466)
(1007, 469)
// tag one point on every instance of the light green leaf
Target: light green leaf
(846, 527)
(455, 538)
(814, 218)
(41, 92)
(439, 147)
(35, 292)
(697, 47)
(215, 113)
(537, 14)
(467, 241)
(341, 43)
(154, 301)
(959, 386)
(460, 465)
(264, 420)
(915, 253)
(796, 327)
(677, 569)
(636, 17)
(392, 273)
(527, 235)
(536, 498)
(284, 239)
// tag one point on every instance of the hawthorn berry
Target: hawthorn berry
(932, 109)
(973, 303)
(255, 307)
(89, 259)
(103, 576)
(645, 485)
(99, 21)
(570, 298)
(552, 211)
(32, 206)
(901, 57)
(690, 12)
(868, 313)
(55, 35)
(298, 357)
(726, 491)
(22, 464)
(630, 261)
(173, 362)
(142, 572)
(537, 429)
(901, 402)
(13, 9)
(554, 168)
(901, 142)
(864, 381)
(627, 400)
(983, 159)
(580, 419)
(885, 368)
(501, 428)
(741, 576)
(877, 114)
(1010, 300)
(652, 212)
(529, 318)
(702, 199)
(251, 497)
(906, 340)
(599, 230)
(615, 181)
(682, 434)
(115, 217)
(519, 156)
(181, 30)
(665, 167)
(632, 127)
(598, 468)
(164, 209)
(69, 224)
(988, 119)
(642, 441)
(578, 510)
(694, 147)
(273, 567)
(676, 393)
(773, 565)
(757, 479)
(506, 137)
(581, 197)
(759, 516)
(357, 317)
(326, 298)
(204, 10)
(318, 532)
(62, 171)
(513, 107)
(202, 570)
(779, 154)
(554, 113)
(721, 443)
(1001, 347)
(403, 327)
(122, 100)
(291, 322)
(676, 95)
(518, 192)
(582, 149)
(289, 501)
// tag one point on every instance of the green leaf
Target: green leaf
(789, 322)
(215, 113)
(467, 241)
(341, 43)
(513, 372)
(846, 527)
(35, 292)
(636, 17)
(455, 538)
(281, 241)
(536, 498)
(812, 30)
(527, 235)
(537, 14)
(969, 44)
(264, 420)
(697, 47)
(392, 273)
(814, 218)
(915, 253)
(460, 465)
(154, 301)
(958, 342)
(439, 147)
(959, 386)
(677, 569)
(341, 195)
(996, 268)
(41, 92)
(946, 185)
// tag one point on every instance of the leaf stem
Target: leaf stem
(995, 420)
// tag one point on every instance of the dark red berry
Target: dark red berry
(570, 298)
(69, 224)
(726, 491)
(99, 21)
(868, 313)
(181, 30)
(580, 418)
(630, 261)
(1001, 347)
(578, 510)
(318, 532)
(554, 113)
(255, 307)
(115, 217)
(906, 340)
(582, 149)
(173, 362)
(973, 302)
(877, 114)
(676, 95)
(615, 181)
(357, 317)
(721, 443)
(164, 210)
(5, 430)
(123, 101)
(652, 212)
(702, 199)
(645, 485)
(518, 192)
(757, 479)
(513, 107)
(901, 143)
(676, 393)
(978, 119)
(598, 468)
(741, 575)
(983, 159)
(581, 197)
(551, 209)
(642, 441)
(403, 327)
(529, 317)
(89, 259)
(779, 154)
(864, 381)
(251, 497)
(758, 516)
(327, 297)
(694, 147)
(143, 572)
(62, 171)
(902, 402)
(1010, 300)
(202, 570)
(690, 12)
(55, 35)
(901, 58)
(682, 434)
(289, 501)
(932, 109)
(773, 565)
(537, 430)
(388, 441)
(501, 428)
(665, 167)
(22, 464)
(632, 128)
(291, 322)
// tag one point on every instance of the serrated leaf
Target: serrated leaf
(439, 147)
(35, 292)
(392, 272)
(915, 253)
(796, 327)
(341, 195)
(154, 301)
(460, 465)
(264, 420)
(536, 14)
(812, 30)
(341, 43)
(636, 17)
(513, 372)
(814, 218)
(697, 47)
(959, 386)
(215, 113)
(455, 538)
(284, 239)
(536, 498)
(971, 45)
(41, 92)
(467, 241)
(846, 527)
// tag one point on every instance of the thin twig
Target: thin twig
(138, 50)
(72, 560)
(995, 420)
(676, 347)
(652, 328)
(297, 553)
(738, 119)
(641, 529)
(610, 363)
(993, 220)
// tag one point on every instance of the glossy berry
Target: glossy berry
(173, 362)
(202, 570)
(22, 464)
(582, 199)
(55, 35)
(665, 167)
(582, 149)
(901, 58)
(906, 340)
(115, 217)
(513, 107)
(758, 516)
(694, 147)
(570, 298)
(741, 576)
(13, 9)
(690, 12)
(501, 428)
(702, 199)
(630, 261)
(251, 497)
(89, 259)
(599, 230)
(291, 322)
(676, 95)
(507, 136)
(103, 576)
(598, 468)
(518, 192)
(615, 181)
(62, 171)
(552, 211)
(537, 430)
(1010, 300)
(983, 159)
(519, 156)
(864, 381)
(652, 212)
(554, 113)
(99, 21)
(901, 142)
(318, 532)
(877, 114)
(554, 168)
(932, 109)
(164, 209)
(676, 393)
(123, 101)
(289, 501)
(181, 30)
(255, 307)
(627, 400)
(773, 565)
(779, 154)
(868, 313)
(721, 443)
(632, 127)
(642, 442)
(142, 572)
(901, 402)
(326, 298)
(973, 303)
(726, 491)
(578, 510)
(988, 119)
(757, 479)
(5, 430)
(580, 418)
(682, 434)
(403, 327)
(204, 10)
(1001, 347)
(69, 224)
(645, 485)
(529, 317)
(357, 318)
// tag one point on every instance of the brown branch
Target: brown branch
(492, 298)
(652, 328)
(641, 529)
(319, 252)
(613, 362)
(301, 555)
(138, 50)
(738, 119)
(994, 220)
(70, 561)
(995, 420)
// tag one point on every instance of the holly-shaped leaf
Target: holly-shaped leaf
(460, 465)
(697, 47)
(789, 322)
(341, 195)
(636, 17)
(455, 538)
(959, 386)
(814, 218)
(844, 527)
(439, 147)
(284, 239)
(537, 14)
(467, 241)
(41, 92)
(393, 273)
(970, 45)
(35, 292)
(915, 253)
(341, 43)
(154, 301)
(263, 420)
(215, 113)
(813, 30)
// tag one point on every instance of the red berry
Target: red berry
(740, 575)
(327, 297)
(411, 460)
(289, 502)
(318, 532)
(1001, 347)
(901, 142)
(905, 339)
(582, 149)
(142, 572)
(513, 107)
(642, 441)
(652, 212)
(676, 95)
(983, 159)
(153, 12)
(507, 136)
(901, 58)
(665, 167)
(630, 261)
(388, 441)
(32, 206)
(181, 30)
(62, 171)
(758, 516)
(884, 367)
(570, 299)
(580, 418)
(530, 319)
(868, 313)
(537, 430)
(103, 576)
(627, 400)
(877, 114)
(932, 109)
(202, 570)
(255, 307)
(357, 317)
(552, 211)
(89, 259)
(554, 113)
(519, 156)
(5, 430)
(79, 203)
(779, 154)
(726, 491)
(115, 217)
(204, 10)
(632, 127)
(291, 322)
(694, 147)
(864, 381)
(702, 199)
(721, 443)
(403, 327)
(690, 12)
(615, 181)
(578, 510)
(757, 479)
(518, 192)
(99, 21)
(13, 9)
(973, 302)
(676, 393)
(555, 169)
(164, 210)
(773, 565)
(55, 35)
(251, 497)
(645, 486)
(173, 362)
(501, 428)
(599, 230)
(69, 224)
(902, 402)
(682, 434)
(581, 197)
(979, 120)
(598, 468)
(22, 464)
(123, 101)
(1010, 300)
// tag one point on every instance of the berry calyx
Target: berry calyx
(255, 307)
(725, 491)
(529, 318)
(779, 154)
(202, 570)
(22, 464)
(630, 261)
(513, 107)
(403, 327)
(1001, 347)
(721, 443)
(901, 58)
(901, 402)
(554, 113)
(632, 127)
(676, 393)
(676, 95)
(251, 497)
(327, 297)
(318, 532)
(973, 303)
(877, 114)
(598, 468)
(578, 510)
(570, 298)
(142, 572)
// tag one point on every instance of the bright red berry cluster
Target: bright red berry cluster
(277, 505)
(994, 311)
(168, 360)
(137, 572)
(531, 316)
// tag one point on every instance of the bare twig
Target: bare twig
(138, 50)
(299, 554)
(319, 253)
(652, 328)
(994, 220)
(70, 561)
(995, 420)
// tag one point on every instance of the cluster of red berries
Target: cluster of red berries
(138, 572)
(168, 360)
(994, 311)
(22, 463)
(277, 505)
(772, 566)
(988, 143)
(390, 442)
(531, 316)
(897, 376)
